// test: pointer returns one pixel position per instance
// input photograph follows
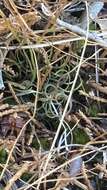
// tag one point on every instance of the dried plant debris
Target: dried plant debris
(53, 95)
(13, 123)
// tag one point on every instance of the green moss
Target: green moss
(44, 143)
(3, 156)
(92, 26)
(35, 144)
(26, 176)
(93, 110)
(80, 137)
(78, 46)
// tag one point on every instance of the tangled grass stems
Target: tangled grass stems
(50, 78)
(61, 166)
(69, 98)
(70, 132)
(34, 112)
(57, 88)
(11, 151)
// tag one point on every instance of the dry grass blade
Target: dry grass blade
(98, 87)
(95, 98)
(23, 169)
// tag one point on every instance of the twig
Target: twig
(23, 169)
(1, 81)
(95, 98)
(98, 87)
(43, 45)
(102, 169)
(89, 186)
(76, 29)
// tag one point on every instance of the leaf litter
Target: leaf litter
(53, 97)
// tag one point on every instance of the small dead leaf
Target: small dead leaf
(75, 166)
(12, 123)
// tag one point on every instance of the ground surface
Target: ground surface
(53, 95)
